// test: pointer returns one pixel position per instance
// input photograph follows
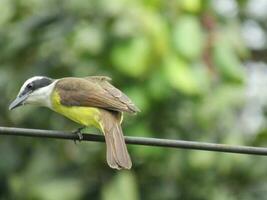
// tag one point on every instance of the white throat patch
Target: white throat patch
(41, 96)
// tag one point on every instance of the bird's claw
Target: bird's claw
(79, 133)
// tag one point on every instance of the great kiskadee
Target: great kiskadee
(89, 101)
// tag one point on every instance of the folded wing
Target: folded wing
(94, 91)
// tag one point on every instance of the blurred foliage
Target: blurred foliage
(181, 62)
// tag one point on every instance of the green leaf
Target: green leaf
(188, 37)
(201, 160)
(123, 186)
(132, 58)
(157, 30)
(65, 188)
(180, 76)
(227, 62)
(193, 6)
(139, 97)
(6, 10)
(87, 39)
(234, 36)
(158, 85)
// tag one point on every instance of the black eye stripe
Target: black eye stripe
(41, 83)
(36, 85)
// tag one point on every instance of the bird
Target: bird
(88, 101)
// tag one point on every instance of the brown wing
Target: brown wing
(103, 81)
(93, 92)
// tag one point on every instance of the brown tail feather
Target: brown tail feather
(117, 153)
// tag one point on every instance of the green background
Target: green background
(189, 65)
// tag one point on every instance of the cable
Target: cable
(137, 140)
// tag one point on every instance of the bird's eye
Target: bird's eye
(30, 86)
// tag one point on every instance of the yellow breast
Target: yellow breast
(87, 116)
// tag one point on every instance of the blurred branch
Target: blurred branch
(209, 23)
(136, 140)
(259, 55)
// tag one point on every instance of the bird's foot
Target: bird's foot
(79, 133)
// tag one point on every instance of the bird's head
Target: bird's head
(35, 91)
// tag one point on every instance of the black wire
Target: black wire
(136, 140)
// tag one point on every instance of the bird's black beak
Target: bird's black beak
(18, 101)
